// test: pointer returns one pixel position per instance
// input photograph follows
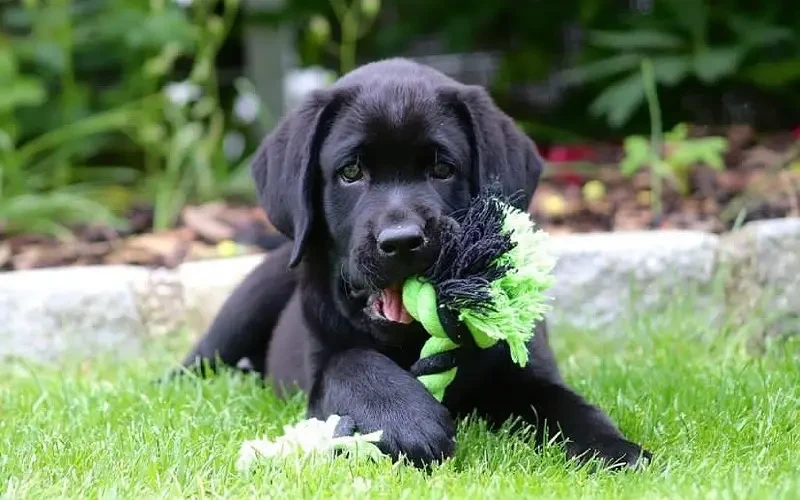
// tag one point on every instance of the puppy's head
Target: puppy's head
(374, 167)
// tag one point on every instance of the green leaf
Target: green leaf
(637, 154)
(8, 64)
(710, 65)
(774, 73)
(707, 150)
(22, 92)
(6, 137)
(157, 31)
(757, 33)
(619, 101)
(48, 56)
(678, 133)
(53, 210)
(692, 15)
(634, 39)
(601, 69)
(670, 70)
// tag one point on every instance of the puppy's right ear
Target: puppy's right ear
(285, 168)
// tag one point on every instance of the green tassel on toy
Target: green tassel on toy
(489, 281)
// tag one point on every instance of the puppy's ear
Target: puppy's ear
(285, 168)
(502, 154)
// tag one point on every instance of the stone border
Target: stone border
(48, 313)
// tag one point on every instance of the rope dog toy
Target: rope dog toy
(487, 286)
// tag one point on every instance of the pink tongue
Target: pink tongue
(393, 308)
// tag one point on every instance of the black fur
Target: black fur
(305, 305)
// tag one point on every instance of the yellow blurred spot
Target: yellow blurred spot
(554, 205)
(643, 197)
(594, 191)
(795, 166)
(227, 248)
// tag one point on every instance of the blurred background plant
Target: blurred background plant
(127, 113)
(100, 117)
(684, 40)
(669, 156)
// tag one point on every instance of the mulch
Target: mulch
(581, 191)
(761, 181)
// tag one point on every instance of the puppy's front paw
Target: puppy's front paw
(614, 452)
(423, 435)
(422, 439)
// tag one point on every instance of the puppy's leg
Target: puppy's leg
(539, 395)
(243, 327)
(376, 394)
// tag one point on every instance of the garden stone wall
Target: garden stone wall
(761, 264)
(600, 278)
(48, 313)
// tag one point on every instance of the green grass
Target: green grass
(721, 424)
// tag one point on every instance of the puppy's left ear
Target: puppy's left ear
(503, 155)
(285, 168)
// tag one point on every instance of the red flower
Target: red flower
(568, 178)
(561, 154)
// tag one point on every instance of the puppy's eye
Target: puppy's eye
(351, 173)
(442, 171)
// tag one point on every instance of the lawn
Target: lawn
(722, 424)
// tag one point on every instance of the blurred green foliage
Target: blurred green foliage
(706, 55)
(684, 39)
(115, 102)
(107, 103)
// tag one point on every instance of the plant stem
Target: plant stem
(656, 135)
(347, 49)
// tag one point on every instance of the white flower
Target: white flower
(246, 107)
(184, 3)
(299, 83)
(182, 93)
(310, 436)
(233, 145)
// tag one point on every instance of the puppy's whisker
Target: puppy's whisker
(346, 281)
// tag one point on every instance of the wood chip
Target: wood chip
(204, 221)
(39, 256)
(168, 249)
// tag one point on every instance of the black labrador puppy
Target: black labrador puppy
(362, 177)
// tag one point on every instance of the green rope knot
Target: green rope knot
(419, 299)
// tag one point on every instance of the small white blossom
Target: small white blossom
(233, 145)
(246, 107)
(184, 3)
(310, 436)
(299, 83)
(182, 93)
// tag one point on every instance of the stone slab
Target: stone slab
(600, 278)
(49, 313)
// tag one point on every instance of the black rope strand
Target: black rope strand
(467, 264)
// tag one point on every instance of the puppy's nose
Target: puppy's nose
(401, 239)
